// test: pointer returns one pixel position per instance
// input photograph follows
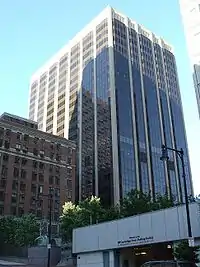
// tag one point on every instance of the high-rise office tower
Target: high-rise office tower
(190, 11)
(114, 90)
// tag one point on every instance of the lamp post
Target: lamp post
(180, 154)
(50, 197)
(49, 230)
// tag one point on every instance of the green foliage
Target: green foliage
(18, 231)
(70, 218)
(137, 202)
(27, 230)
(87, 212)
(182, 251)
(91, 211)
(7, 233)
(163, 202)
(111, 213)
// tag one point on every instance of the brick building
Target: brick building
(32, 162)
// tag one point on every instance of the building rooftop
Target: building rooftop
(30, 127)
(98, 19)
(18, 120)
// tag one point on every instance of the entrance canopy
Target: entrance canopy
(155, 227)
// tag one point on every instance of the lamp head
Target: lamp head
(164, 156)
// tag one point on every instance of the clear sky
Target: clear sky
(32, 31)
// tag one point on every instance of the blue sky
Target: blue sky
(32, 31)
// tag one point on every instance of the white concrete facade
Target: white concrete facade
(95, 259)
(91, 244)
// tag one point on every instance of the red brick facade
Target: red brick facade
(33, 162)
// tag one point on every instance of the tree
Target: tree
(91, 211)
(137, 202)
(162, 202)
(27, 230)
(70, 219)
(183, 252)
(7, 230)
(87, 212)
(111, 213)
(19, 231)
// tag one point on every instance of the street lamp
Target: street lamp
(50, 197)
(49, 230)
(180, 153)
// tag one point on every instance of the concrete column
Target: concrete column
(111, 258)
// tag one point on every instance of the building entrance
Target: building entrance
(135, 257)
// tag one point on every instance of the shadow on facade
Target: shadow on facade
(90, 128)
(90, 120)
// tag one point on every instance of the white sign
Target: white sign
(49, 246)
(191, 242)
(133, 240)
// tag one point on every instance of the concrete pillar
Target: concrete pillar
(111, 258)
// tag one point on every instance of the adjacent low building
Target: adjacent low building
(32, 163)
(134, 240)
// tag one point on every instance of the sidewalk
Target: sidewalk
(11, 263)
